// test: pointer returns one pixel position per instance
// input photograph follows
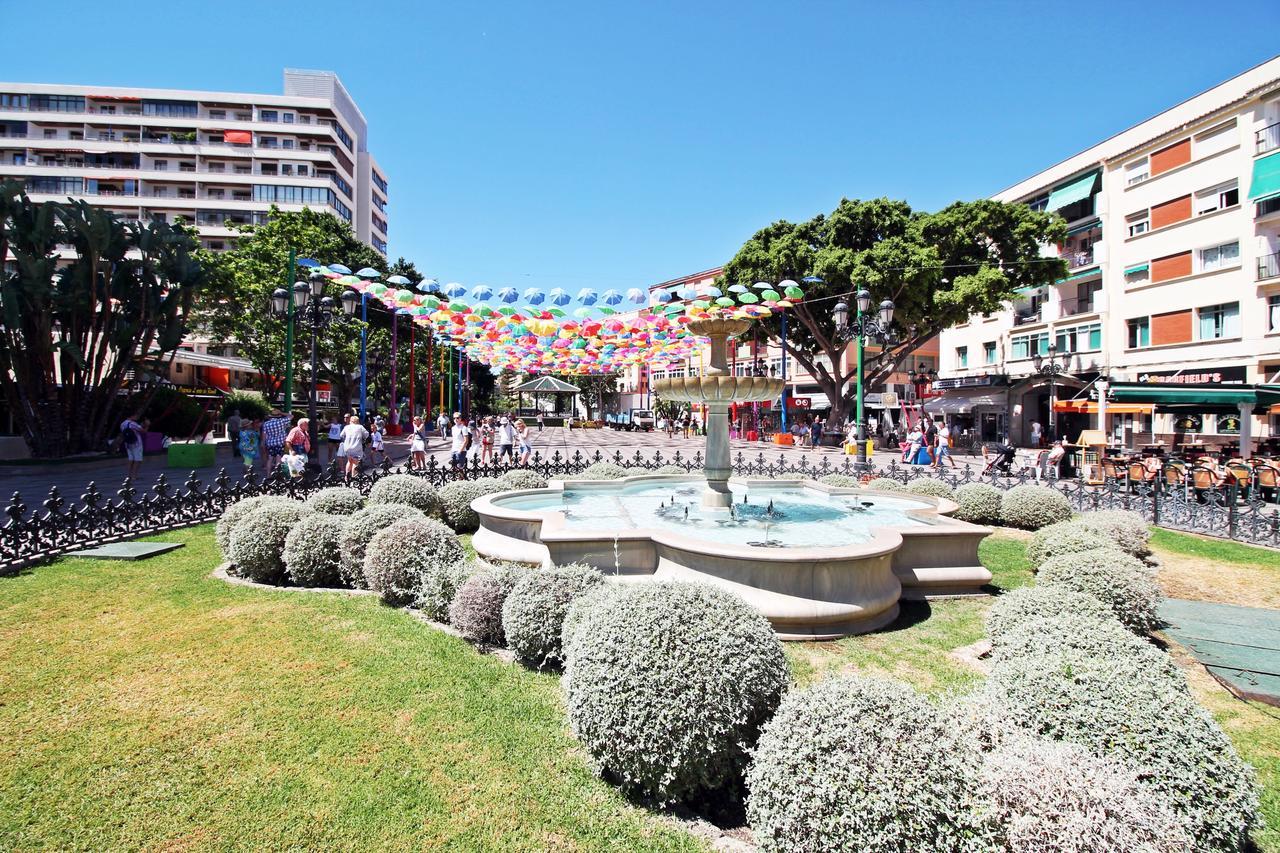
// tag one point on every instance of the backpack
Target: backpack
(129, 437)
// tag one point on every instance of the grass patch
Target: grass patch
(1218, 550)
(1217, 570)
(148, 705)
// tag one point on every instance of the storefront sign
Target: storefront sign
(970, 382)
(1189, 423)
(1200, 376)
(1228, 425)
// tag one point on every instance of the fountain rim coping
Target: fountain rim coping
(884, 541)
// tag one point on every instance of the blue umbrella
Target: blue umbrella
(508, 295)
(762, 285)
(339, 268)
(429, 285)
(587, 296)
(308, 262)
(812, 279)
(713, 292)
(662, 296)
(482, 291)
(453, 290)
(636, 296)
(559, 297)
(611, 297)
(687, 292)
(397, 280)
(534, 296)
(369, 273)
(738, 288)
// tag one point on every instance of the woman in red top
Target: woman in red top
(300, 436)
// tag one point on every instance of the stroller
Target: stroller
(1000, 458)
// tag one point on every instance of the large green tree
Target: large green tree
(75, 333)
(243, 278)
(938, 268)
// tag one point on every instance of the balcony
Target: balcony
(1075, 307)
(1266, 207)
(1077, 260)
(1026, 318)
(1269, 267)
(1267, 139)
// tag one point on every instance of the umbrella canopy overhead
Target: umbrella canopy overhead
(558, 296)
(587, 296)
(508, 295)
(482, 291)
(453, 290)
(340, 269)
(546, 385)
(369, 273)
(533, 296)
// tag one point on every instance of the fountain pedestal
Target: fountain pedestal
(717, 389)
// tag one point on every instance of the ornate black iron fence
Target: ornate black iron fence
(57, 525)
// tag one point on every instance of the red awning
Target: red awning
(238, 137)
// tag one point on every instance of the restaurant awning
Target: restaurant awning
(1173, 397)
(1266, 178)
(954, 404)
(1090, 407)
(1070, 193)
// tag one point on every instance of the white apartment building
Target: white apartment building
(207, 157)
(1172, 295)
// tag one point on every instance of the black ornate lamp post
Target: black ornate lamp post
(1050, 367)
(865, 327)
(921, 377)
(315, 310)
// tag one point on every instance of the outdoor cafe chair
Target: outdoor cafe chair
(1244, 477)
(1268, 481)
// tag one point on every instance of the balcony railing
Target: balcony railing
(1076, 260)
(1025, 318)
(1267, 139)
(1269, 267)
(1266, 207)
(1074, 307)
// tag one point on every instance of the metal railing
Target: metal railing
(1073, 307)
(57, 525)
(1075, 260)
(1269, 267)
(1267, 139)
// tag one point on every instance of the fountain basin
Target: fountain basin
(841, 569)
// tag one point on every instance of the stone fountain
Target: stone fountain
(717, 389)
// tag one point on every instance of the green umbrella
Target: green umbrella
(770, 295)
(794, 293)
(748, 298)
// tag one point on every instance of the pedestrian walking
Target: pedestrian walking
(442, 425)
(274, 430)
(418, 445)
(353, 437)
(1036, 433)
(300, 437)
(539, 421)
(249, 445)
(459, 441)
(234, 425)
(485, 430)
(377, 450)
(131, 437)
(943, 449)
(506, 441)
(815, 434)
(522, 437)
(335, 438)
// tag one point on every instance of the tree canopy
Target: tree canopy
(938, 268)
(74, 333)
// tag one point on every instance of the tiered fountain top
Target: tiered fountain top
(717, 384)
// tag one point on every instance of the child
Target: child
(250, 442)
(375, 440)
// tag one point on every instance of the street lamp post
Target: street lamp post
(308, 304)
(920, 377)
(1051, 368)
(865, 326)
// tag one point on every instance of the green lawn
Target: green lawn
(1218, 550)
(148, 705)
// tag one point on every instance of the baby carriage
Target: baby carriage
(1000, 458)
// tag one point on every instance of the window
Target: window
(962, 356)
(186, 166)
(58, 186)
(302, 170)
(1220, 321)
(216, 245)
(287, 118)
(1136, 172)
(50, 133)
(1024, 346)
(1139, 332)
(290, 195)
(378, 202)
(179, 367)
(1217, 198)
(1216, 139)
(1080, 339)
(161, 165)
(379, 223)
(217, 193)
(286, 168)
(380, 244)
(268, 142)
(989, 352)
(186, 109)
(286, 143)
(13, 102)
(269, 169)
(217, 167)
(381, 183)
(303, 119)
(1220, 257)
(1273, 312)
(1038, 203)
(244, 116)
(57, 103)
(218, 114)
(268, 115)
(1139, 223)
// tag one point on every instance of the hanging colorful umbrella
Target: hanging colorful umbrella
(662, 297)
(453, 290)
(584, 311)
(533, 296)
(687, 292)
(429, 285)
(738, 288)
(397, 280)
(369, 273)
(587, 296)
(611, 297)
(508, 295)
(340, 269)
(636, 296)
(482, 291)
(559, 297)
(307, 262)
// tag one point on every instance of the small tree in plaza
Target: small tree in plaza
(938, 268)
(73, 334)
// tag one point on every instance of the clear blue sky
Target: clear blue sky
(615, 145)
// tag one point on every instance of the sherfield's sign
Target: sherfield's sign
(1200, 376)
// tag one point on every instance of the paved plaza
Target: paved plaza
(72, 478)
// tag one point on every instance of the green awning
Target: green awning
(1076, 276)
(1088, 226)
(1266, 178)
(1181, 395)
(1023, 291)
(1136, 268)
(1077, 190)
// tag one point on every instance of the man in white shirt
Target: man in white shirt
(353, 437)
(506, 440)
(460, 438)
(442, 424)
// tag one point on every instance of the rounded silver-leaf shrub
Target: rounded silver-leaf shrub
(1117, 706)
(257, 540)
(406, 489)
(311, 556)
(359, 529)
(1054, 796)
(523, 478)
(599, 596)
(864, 764)
(1123, 583)
(667, 685)
(930, 487)
(840, 481)
(399, 556)
(476, 610)
(1033, 507)
(674, 469)
(1086, 635)
(1030, 603)
(440, 584)
(1065, 537)
(599, 471)
(886, 484)
(1125, 529)
(979, 503)
(337, 500)
(533, 614)
(232, 515)
(456, 498)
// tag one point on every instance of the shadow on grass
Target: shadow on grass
(910, 614)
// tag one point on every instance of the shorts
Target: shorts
(275, 449)
(134, 451)
(504, 450)
(943, 451)
(459, 458)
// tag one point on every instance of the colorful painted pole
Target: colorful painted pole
(413, 328)
(429, 366)
(364, 353)
(288, 335)
(783, 318)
